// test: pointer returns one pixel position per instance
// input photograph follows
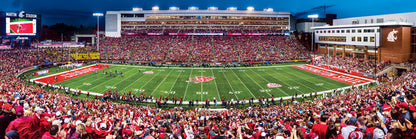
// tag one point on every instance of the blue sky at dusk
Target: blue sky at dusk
(77, 12)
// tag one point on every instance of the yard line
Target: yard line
(317, 75)
(280, 81)
(243, 83)
(186, 90)
(265, 80)
(202, 87)
(122, 81)
(161, 82)
(231, 85)
(257, 83)
(218, 92)
(294, 80)
(150, 80)
(83, 79)
(106, 81)
(308, 80)
(134, 81)
(175, 81)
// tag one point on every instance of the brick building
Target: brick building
(389, 37)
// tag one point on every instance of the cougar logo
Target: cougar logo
(200, 79)
(22, 14)
(391, 37)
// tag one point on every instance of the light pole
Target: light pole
(313, 16)
(98, 29)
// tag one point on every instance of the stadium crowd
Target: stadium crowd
(203, 48)
(383, 111)
(352, 64)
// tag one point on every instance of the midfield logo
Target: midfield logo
(200, 79)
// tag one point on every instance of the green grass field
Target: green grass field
(235, 83)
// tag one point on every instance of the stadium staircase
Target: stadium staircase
(190, 50)
(170, 47)
(134, 49)
(147, 48)
(235, 46)
(392, 68)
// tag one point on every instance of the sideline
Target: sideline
(203, 102)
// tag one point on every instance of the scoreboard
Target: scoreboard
(19, 24)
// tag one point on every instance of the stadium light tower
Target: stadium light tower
(98, 29)
(313, 16)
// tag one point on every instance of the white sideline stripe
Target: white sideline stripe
(218, 92)
(187, 85)
(362, 78)
(255, 100)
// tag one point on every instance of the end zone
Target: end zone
(50, 79)
(339, 76)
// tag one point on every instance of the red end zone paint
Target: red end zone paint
(342, 77)
(71, 74)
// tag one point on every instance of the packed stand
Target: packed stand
(386, 110)
(352, 64)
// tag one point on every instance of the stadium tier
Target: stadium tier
(158, 22)
(203, 49)
(385, 109)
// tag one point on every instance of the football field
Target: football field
(200, 83)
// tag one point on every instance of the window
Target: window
(380, 20)
(372, 39)
(353, 38)
(337, 31)
(333, 31)
(342, 31)
(348, 31)
(358, 30)
(324, 31)
(353, 31)
(372, 21)
(378, 30)
(355, 22)
(317, 32)
(359, 39)
(365, 21)
(320, 31)
(365, 39)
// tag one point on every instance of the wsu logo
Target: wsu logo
(22, 14)
(200, 79)
(391, 37)
(273, 85)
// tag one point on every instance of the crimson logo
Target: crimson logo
(200, 79)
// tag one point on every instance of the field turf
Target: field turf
(232, 83)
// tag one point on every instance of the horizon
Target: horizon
(78, 12)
